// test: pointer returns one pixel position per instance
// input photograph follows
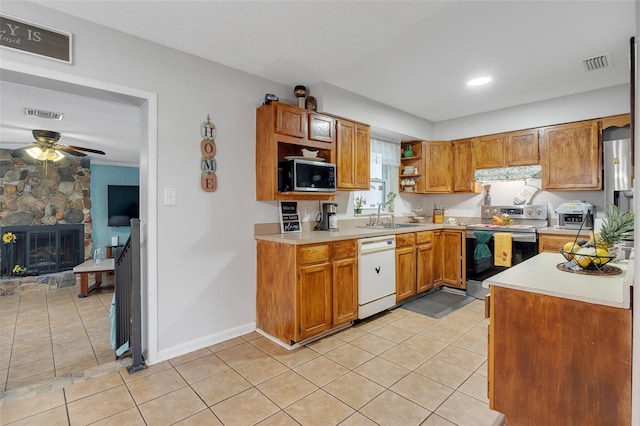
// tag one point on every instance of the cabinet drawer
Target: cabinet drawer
(405, 240)
(424, 237)
(345, 249)
(314, 254)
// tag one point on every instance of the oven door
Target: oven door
(523, 247)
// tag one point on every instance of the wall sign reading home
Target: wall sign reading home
(35, 39)
(208, 164)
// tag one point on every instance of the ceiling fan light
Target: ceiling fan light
(46, 155)
(35, 152)
(54, 155)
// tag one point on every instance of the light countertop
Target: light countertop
(347, 231)
(563, 231)
(540, 275)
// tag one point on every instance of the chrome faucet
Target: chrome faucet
(378, 217)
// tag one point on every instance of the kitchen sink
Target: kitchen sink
(392, 226)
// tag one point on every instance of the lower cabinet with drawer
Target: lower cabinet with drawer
(414, 264)
(304, 290)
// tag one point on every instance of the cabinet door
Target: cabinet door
(522, 148)
(488, 151)
(291, 121)
(452, 259)
(571, 157)
(314, 300)
(345, 145)
(353, 146)
(424, 274)
(438, 256)
(438, 165)
(345, 291)
(405, 273)
(321, 127)
(361, 155)
(463, 167)
(553, 243)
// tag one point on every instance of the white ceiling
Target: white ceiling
(412, 55)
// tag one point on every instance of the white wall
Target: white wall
(598, 103)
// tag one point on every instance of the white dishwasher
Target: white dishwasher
(376, 275)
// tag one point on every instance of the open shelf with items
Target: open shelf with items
(411, 167)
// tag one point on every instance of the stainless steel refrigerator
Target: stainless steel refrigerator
(618, 174)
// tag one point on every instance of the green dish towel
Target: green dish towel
(482, 250)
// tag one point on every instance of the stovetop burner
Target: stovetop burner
(506, 228)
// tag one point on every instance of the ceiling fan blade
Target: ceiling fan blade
(71, 151)
(93, 151)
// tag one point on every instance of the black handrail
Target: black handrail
(128, 299)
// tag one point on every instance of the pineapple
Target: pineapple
(614, 225)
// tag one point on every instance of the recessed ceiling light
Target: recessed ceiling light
(478, 81)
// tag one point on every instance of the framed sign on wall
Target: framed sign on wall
(35, 39)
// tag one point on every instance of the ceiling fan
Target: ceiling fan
(46, 147)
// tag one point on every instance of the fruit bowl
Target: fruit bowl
(587, 261)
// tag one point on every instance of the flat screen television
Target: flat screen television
(123, 204)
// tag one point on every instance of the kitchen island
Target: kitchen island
(560, 344)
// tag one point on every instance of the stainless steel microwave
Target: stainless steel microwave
(306, 175)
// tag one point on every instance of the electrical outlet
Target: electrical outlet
(307, 211)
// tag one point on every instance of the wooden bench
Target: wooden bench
(96, 268)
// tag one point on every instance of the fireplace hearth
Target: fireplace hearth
(42, 249)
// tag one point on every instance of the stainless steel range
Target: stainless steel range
(524, 241)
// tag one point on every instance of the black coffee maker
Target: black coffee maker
(329, 220)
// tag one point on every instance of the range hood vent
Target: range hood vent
(33, 112)
(598, 62)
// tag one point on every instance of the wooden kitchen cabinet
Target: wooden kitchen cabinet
(281, 131)
(424, 261)
(313, 289)
(558, 361)
(571, 157)
(290, 120)
(433, 161)
(345, 281)
(322, 127)
(453, 253)
(488, 151)
(353, 152)
(438, 258)
(552, 243)
(405, 266)
(438, 164)
(464, 167)
(449, 248)
(314, 300)
(522, 148)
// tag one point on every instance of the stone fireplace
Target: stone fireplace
(47, 206)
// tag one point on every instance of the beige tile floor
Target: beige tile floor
(51, 334)
(397, 368)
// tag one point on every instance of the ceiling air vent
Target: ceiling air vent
(598, 62)
(32, 112)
